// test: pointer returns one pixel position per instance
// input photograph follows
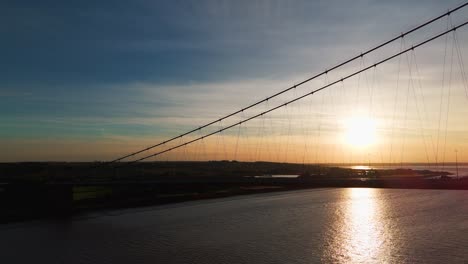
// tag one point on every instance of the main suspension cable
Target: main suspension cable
(307, 94)
(295, 85)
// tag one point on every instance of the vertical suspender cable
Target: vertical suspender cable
(296, 85)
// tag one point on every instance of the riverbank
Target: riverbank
(29, 196)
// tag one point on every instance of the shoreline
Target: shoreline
(144, 199)
(44, 190)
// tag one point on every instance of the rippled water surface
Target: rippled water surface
(354, 225)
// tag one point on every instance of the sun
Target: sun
(360, 132)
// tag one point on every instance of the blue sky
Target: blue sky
(90, 71)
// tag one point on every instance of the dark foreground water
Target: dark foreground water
(320, 225)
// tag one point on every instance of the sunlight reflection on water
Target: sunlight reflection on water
(361, 167)
(358, 235)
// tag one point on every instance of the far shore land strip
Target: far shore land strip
(60, 189)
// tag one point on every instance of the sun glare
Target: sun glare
(360, 132)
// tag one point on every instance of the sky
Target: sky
(94, 80)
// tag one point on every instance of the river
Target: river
(336, 225)
(460, 170)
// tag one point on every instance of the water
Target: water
(276, 176)
(348, 225)
(451, 168)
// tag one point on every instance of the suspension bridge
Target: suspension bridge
(376, 107)
(402, 101)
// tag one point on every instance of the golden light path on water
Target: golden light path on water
(360, 234)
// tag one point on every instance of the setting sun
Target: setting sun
(360, 132)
